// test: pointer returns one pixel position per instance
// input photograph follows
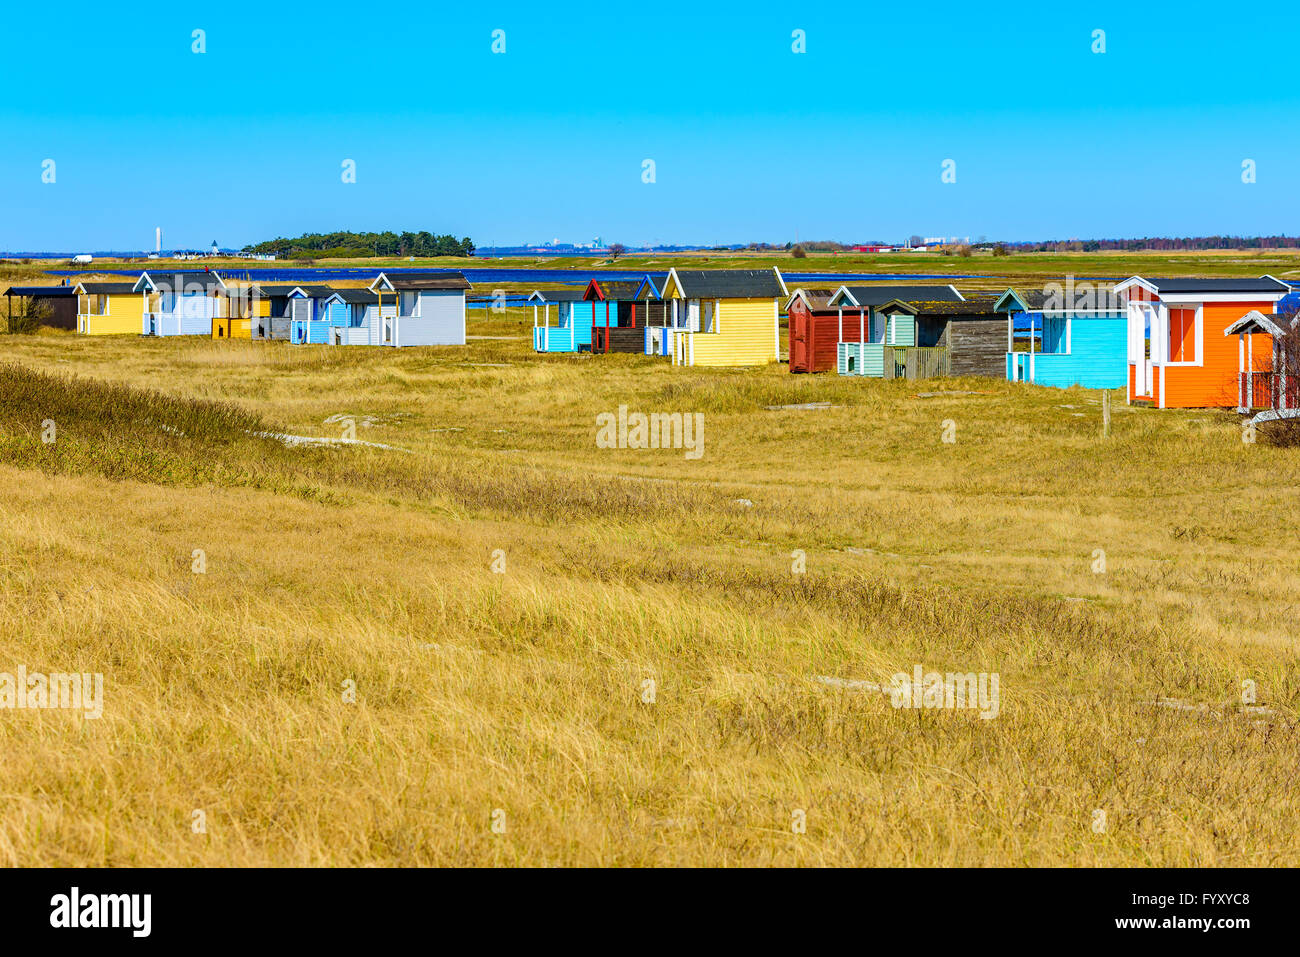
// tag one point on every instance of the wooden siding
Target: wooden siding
(575, 333)
(746, 335)
(901, 330)
(441, 321)
(232, 328)
(350, 336)
(335, 314)
(658, 341)
(978, 347)
(125, 317)
(815, 337)
(1097, 356)
(652, 313)
(1214, 383)
(61, 311)
(186, 314)
(621, 339)
(553, 339)
(917, 362)
(858, 358)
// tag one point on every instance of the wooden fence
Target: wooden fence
(917, 362)
(1269, 390)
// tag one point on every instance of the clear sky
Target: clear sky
(750, 140)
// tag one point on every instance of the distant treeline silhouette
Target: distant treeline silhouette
(358, 245)
(1172, 244)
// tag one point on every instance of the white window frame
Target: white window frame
(1198, 335)
(877, 323)
(1069, 325)
(693, 315)
(413, 314)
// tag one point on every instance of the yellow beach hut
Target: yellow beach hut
(109, 308)
(239, 303)
(725, 317)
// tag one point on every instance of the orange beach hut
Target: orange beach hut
(1179, 353)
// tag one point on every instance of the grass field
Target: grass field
(519, 696)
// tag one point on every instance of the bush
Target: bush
(798, 253)
(1280, 433)
(31, 318)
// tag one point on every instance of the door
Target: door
(799, 343)
(1148, 368)
(1142, 326)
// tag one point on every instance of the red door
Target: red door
(798, 342)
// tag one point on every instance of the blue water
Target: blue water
(486, 275)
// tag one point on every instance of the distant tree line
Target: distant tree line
(1183, 243)
(345, 245)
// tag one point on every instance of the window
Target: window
(877, 328)
(410, 304)
(1054, 334)
(1182, 335)
(98, 305)
(706, 324)
(693, 315)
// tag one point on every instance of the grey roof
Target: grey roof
(1033, 299)
(973, 307)
(616, 290)
(107, 288)
(184, 281)
(40, 291)
(412, 281)
(1179, 284)
(276, 288)
(315, 291)
(878, 295)
(730, 284)
(817, 300)
(556, 295)
(360, 297)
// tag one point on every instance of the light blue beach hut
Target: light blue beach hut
(572, 329)
(1066, 338)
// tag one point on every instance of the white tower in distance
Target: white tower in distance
(157, 239)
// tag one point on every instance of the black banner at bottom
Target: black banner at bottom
(1224, 908)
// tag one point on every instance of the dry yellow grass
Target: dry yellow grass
(522, 691)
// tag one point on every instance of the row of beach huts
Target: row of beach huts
(1169, 342)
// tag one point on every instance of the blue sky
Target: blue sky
(750, 140)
